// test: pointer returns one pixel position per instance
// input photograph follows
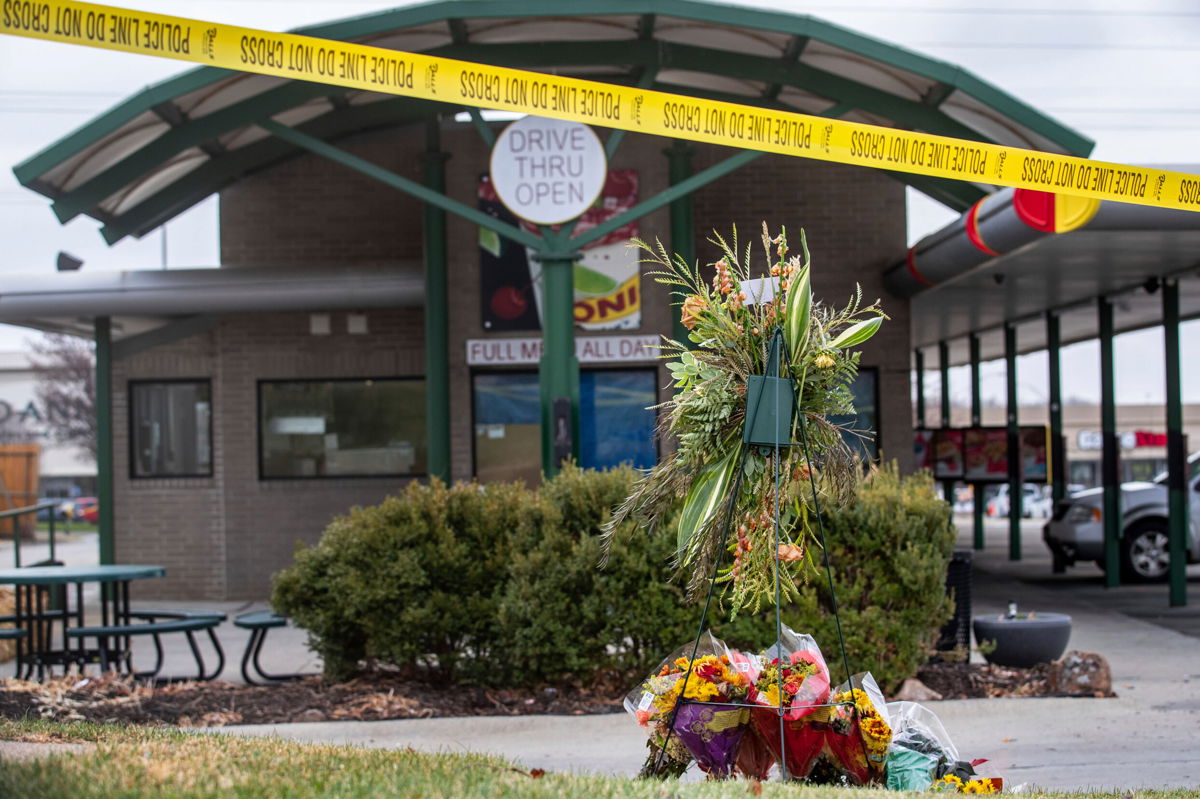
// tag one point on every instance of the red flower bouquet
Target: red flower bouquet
(793, 678)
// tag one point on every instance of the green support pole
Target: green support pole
(976, 421)
(1014, 444)
(683, 231)
(944, 371)
(1177, 476)
(437, 343)
(919, 357)
(559, 369)
(1058, 453)
(1110, 468)
(104, 438)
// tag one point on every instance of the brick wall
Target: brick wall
(222, 537)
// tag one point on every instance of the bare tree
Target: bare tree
(65, 385)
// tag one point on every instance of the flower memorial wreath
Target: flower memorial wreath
(731, 324)
(762, 343)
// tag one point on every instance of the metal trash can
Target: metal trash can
(957, 631)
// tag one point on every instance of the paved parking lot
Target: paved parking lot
(1084, 581)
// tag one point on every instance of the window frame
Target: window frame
(132, 419)
(258, 428)
(876, 372)
(524, 369)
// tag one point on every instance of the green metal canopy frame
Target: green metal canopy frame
(170, 146)
(743, 55)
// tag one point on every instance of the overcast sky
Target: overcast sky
(1130, 79)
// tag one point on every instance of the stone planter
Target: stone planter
(1025, 640)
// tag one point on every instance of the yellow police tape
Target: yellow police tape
(359, 66)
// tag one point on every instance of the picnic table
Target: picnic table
(49, 606)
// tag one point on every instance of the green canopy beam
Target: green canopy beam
(1177, 475)
(191, 133)
(225, 169)
(104, 439)
(944, 416)
(919, 358)
(977, 503)
(365, 167)
(1014, 444)
(683, 227)
(1110, 465)
(437, 310)
(1058, 455)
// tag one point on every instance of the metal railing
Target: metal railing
(15, 513)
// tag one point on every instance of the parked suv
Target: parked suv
(1076, 530)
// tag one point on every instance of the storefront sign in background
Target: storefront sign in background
(588, 349)
(608, 289)
(1130, 439)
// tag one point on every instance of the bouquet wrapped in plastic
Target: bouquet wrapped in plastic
(792, 675)
(920, 750)
(684, 704)
(859, 730)
(921, 756)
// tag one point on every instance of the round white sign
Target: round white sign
(548, 171)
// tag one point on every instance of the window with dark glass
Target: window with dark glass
(616, 423)
(861, 431)
(171, 428)
(341, 428)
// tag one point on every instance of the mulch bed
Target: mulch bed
(979, 680)
(386, 696)
(216, 704)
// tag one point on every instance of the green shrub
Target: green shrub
(413, 581)
(889, 551)
(564, 618)
(500, 585)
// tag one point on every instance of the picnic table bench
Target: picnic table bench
(172, 621)
(258, 623)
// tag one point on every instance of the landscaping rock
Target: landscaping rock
(913, 690)
(1081, 674)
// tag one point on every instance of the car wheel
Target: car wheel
(1145, 557)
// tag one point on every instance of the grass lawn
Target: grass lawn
(139, 762)
(43, 528)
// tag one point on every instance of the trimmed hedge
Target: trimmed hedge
(499, 584)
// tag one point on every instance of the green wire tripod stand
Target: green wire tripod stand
(771, 417)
